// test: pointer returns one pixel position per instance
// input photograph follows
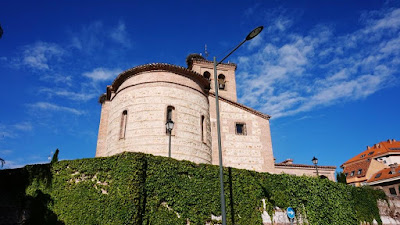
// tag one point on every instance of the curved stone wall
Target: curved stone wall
(145, 96)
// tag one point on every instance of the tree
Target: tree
(55, 157)
(341, 178)
(2, 162)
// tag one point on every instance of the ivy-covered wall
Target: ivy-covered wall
(135, 188)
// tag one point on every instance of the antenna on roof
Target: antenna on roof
(205, 51)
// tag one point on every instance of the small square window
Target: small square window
(241, 129)
(359, 171)
(378, 175)
(352, 173)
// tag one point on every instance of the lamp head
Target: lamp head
(314, 160)
(254, 33)
(169, 125)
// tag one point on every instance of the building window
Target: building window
(359, 171)
(378, 175)
(170, 115)
(370, 153)
(346, 174)
(241, 129)
(203, 129)
(362, 156)
(221, 82)
(352, 173)
(122, 129)
(392, 191)
(207, 75)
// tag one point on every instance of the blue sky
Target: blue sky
(326, 71)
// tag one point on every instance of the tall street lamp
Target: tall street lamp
(250, 36)
(315, 161)
(169, 125)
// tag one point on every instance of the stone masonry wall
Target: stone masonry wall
(310, 171)
(252, 151)
(102, 135)
(227, 70)
(146, 98)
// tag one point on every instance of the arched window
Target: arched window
(221, 82)
(122, 130)
(203, 129)
(207, 75)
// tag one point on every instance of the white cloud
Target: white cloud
(6, 132)
(120, 35)
(13, 164)
(390, 20)
(68, 94)
(90, 37)
(53, 107)
(255, 42)
(13, 130)
(39, 55)
(58, 79)
(299, 72)
(102, 74)
(23, 126)
(96, 35)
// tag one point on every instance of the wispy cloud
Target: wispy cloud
(96, 35)
(120, 35)
(23, 126)
(13, 130)
(6, 132)
(102, 74)
(38, 55)
(19, 163)
(53, 107)
(56, 78)
(76, 96)
(297, 72)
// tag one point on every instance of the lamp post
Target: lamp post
(315, 161)
(250, 36)
(169, 125)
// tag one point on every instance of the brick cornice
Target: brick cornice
(198, 78)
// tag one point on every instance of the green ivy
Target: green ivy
(135, 188)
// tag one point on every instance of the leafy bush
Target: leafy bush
(135, 188)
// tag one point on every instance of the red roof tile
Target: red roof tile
(361, 165)
(382, 148)
(386, 173)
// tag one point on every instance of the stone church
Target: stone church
(136, 106)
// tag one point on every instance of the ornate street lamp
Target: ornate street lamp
(315, 162)
(169, 125)
(250, 36)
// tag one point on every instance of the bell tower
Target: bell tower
(225, 75)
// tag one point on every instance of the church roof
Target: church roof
(203, 82)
